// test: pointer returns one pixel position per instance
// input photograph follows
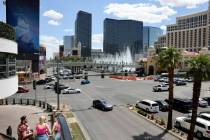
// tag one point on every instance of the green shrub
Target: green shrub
(142, 112)
(6, 31)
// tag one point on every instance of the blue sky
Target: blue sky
(57, 17)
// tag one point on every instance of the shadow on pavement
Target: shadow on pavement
(147, 136)
(84, 109)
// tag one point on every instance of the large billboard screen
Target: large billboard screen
(23, 15)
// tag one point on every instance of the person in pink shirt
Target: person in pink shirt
(56, 130)
(42, 130)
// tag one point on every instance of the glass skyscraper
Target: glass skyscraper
(120, 34)
(68, 42)
(83, 31)
(150, 35)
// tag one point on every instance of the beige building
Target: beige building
(191, 32)
(161, 42)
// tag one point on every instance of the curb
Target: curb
(85, 133)
(87, 137)
(169, 131)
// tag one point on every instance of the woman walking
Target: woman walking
(42, 129)
(56, 130)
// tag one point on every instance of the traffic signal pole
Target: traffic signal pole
(58, 90)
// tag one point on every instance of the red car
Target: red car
(22, 89)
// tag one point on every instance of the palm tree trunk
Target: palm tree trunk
(170, 97)
(195, 100)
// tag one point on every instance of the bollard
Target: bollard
(34, 103)
(27, 102)
(6, 102)
(21, 101)
(1, 101)
(40, 104)
(13, 101)
(43, 105)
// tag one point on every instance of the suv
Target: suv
(207, 99)
(161, 87)
(183, 105)
(202, 126)
(148, 105)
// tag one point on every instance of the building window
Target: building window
(7, 65)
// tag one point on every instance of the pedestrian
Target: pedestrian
(23, 130)
(42, 129)
(56, 130)
(9, 131)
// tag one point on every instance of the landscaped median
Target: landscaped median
(73, 124)
(160, 122)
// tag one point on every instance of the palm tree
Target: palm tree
(168, 59)
(199, 70)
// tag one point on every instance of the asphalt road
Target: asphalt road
(119, 123)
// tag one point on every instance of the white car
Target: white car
(49, 86)
(161, 87)
(202, 127)
(148, 105)
(71, 90)
(202, 103)
(205, 116)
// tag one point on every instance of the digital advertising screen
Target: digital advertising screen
(23, 15)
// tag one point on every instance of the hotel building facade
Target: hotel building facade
(190, 32)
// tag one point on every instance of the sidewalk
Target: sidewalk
(10, 115)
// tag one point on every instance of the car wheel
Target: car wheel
(178, 125)
(159, 90)
(199, 134)
(147, 110)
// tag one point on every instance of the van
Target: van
(183, 105)
(148, 105)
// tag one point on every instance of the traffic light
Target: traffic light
(57, 90)
(34, 84)
(102, 74)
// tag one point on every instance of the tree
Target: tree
(199, 70)
(168, 59)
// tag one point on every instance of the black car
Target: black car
(183, 105)
(41, 82)
(61, 87)
(207, 99)
(102, 104)
(163, 106)
(48, 79)
(180, 83)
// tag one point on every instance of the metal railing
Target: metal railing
(65, 132)
(13, 101)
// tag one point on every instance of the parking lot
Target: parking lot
(119, 93)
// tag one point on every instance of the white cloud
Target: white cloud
(68, 30)
(140, 11)
(51, 43)
(53, 22)
(163, 27)
(97, 41)
(54, 15)
(182, 3)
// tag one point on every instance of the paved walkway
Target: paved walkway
(10, 115)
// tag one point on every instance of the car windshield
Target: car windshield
(154, 104)
(104, 102)
(205, 117)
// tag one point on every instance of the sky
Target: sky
(57, 17)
